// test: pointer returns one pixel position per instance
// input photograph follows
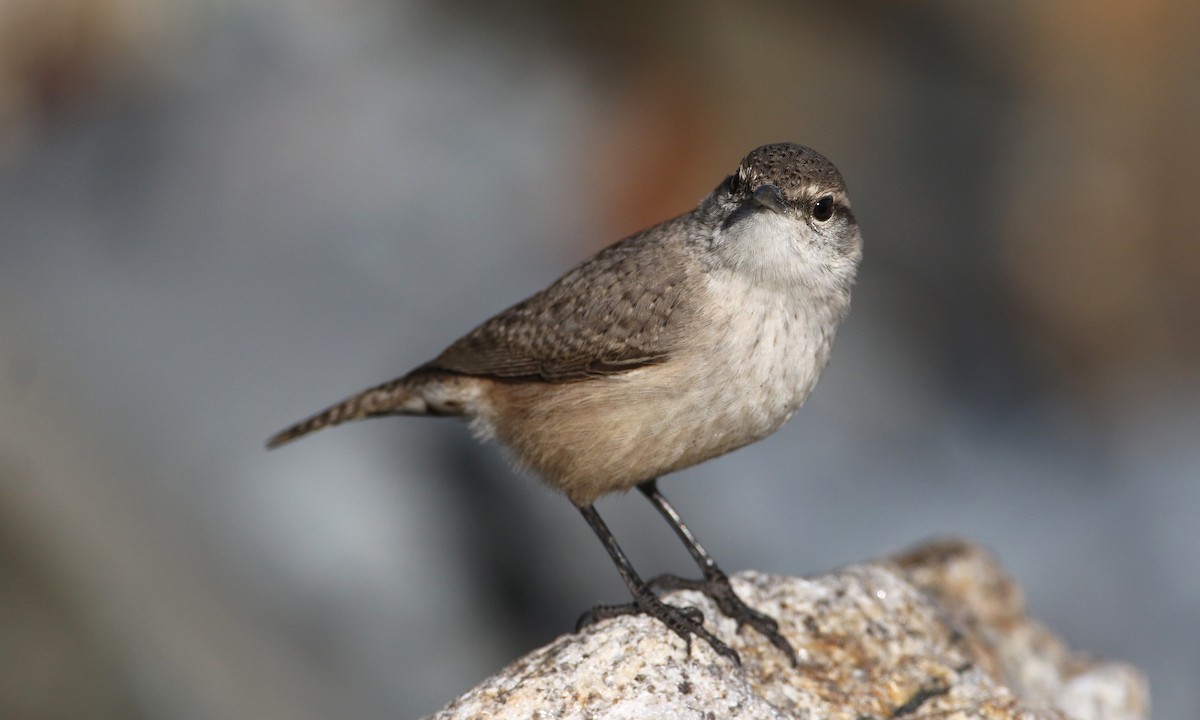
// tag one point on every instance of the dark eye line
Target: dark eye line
(736, 184)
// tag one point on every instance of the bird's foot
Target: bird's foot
(717, 587)
(686, 622)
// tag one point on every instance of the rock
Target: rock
(940, 632)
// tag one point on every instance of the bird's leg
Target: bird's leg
(685, 622)
(715, 583)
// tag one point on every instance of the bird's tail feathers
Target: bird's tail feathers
(398, 397)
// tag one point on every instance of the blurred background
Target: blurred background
(217, 216)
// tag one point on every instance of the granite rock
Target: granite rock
(940, 631)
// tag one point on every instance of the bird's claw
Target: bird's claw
(686, 622)
(717, 587)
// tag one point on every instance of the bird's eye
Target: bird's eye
(822, 209)
(734, 183)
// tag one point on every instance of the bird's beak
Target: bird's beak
(770, 197)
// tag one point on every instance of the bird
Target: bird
(680, 343)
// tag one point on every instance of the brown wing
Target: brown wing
(621, 309)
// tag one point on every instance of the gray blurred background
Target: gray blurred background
(217, 216)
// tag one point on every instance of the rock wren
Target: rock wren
(683, 342)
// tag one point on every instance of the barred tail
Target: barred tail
(398, 397)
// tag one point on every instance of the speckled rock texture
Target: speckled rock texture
(938, 632)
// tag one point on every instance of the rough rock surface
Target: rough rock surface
(939, 632)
